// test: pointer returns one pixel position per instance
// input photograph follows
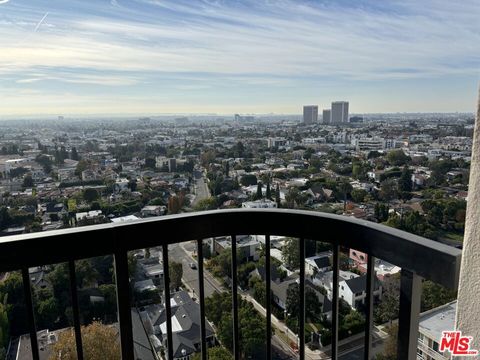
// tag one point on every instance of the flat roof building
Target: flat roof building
(310, 114)
(327, 116)
(430, 327)
(339, 112)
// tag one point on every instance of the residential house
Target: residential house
(247, 246)
(38, 278)
(352, 287)
(92, 215)
(186, 336)
(280, 290)
(154, 272)
(53, 208)
(353, 291)
(153, 210)
(260, 204)
(383, 269)
(317, 263)
(89, 175)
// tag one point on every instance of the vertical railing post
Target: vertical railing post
(30, 314)
(335, 304)
(236, 342)
(168, 307)
(369, 307)
(124, 304)
(268, 297)
(201, 289)
(301, 315)
(75, 309)
(408, 317)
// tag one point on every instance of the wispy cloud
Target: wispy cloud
(282, 39)
(246, 43)
(103, 80)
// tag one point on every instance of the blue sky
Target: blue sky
(254, 56)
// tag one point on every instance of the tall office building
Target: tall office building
(339, 112)
(327, 116)
(310, 114)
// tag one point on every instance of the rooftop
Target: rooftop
(433, 322)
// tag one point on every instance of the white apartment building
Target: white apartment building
(14, 163)
(368, 144)
(314, 141)
(260, 204)
(431, 325)
(276, 142)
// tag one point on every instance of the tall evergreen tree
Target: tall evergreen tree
(259, 191)
(405, 180)
(269, 192)
(345, 188)
(277, 195)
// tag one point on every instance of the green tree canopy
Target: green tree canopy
(218, 308)
(12, 295)
(397, 158)
(358, 195)
(206, 204)
(90, 195)
(4, 327)
(388, 190)
(176, 272)
(215, 353)
(248, 179)
(291, 253)
(28, 182)
(100, 342)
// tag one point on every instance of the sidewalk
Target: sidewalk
(345, 346)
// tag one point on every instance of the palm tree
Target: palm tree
(345, 188)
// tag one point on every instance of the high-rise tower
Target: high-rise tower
(339, 112)
(310, 114)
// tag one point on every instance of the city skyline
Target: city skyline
(152, 57)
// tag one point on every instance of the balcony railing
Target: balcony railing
(418, 257)
(429, 351)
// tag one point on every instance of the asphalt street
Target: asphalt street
(351, 350)
(201, 188)
(177, 253)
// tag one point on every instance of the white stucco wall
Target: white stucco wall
(468, 308)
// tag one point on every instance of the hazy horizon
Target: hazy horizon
(192, 116)
(149, 57)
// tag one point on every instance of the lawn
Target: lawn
(453, 237)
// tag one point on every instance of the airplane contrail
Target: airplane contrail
(40, 22)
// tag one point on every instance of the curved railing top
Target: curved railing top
(427, 258)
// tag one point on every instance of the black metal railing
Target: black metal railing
(418, 257)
